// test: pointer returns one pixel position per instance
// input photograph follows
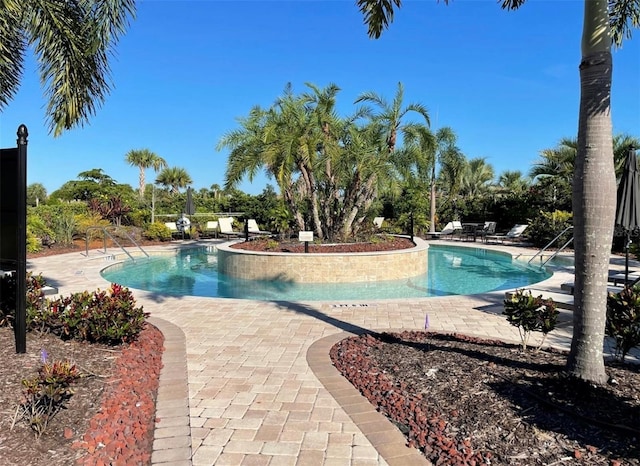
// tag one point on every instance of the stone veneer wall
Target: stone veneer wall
(324, 268)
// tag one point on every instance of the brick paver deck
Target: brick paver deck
(250, 382)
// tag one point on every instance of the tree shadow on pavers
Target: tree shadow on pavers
(316, 314)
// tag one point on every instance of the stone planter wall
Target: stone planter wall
(323, 268)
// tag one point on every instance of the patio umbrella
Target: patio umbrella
(190, 208)
(628, 208)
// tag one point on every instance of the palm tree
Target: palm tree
(328, 169)
(392, 114)
(143, 159)
(174, 178)
(512, 181)
(476, 177)
(622, 144)
(558, 162)
(75, 82)
(450, 158)
(594, 178)
(36, 193)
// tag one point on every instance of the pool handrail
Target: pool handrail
(104, 241)
(550, 244)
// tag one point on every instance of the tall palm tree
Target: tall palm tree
(450, 158)
(174, 178)
(391, 114)
(143, 159)
(594, 179)
(75, 83)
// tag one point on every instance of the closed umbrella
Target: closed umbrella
(628, 209)
(190, 208)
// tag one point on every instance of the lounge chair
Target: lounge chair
(620, 278)
(254, 229)
(488, 230)
(225, 225)
(448, 230)
(173, 228)
(513, 235)
(211, 229)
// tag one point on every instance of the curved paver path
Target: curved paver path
(250, 382)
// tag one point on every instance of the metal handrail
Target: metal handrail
(104, 242)
(557, 252)
(550, 244)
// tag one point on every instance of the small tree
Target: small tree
(529, 314)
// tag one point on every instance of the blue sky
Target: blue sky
(506, 82)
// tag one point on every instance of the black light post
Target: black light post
(21, 269)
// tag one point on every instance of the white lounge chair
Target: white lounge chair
(211, 229)
(225, 225)
(254, 229)
(173, 228)
(515, 234)
(448, 230)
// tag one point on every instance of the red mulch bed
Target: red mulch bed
(384, 243)
(110, 417)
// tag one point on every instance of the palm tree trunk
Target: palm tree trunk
(594, 198)
(141, 182)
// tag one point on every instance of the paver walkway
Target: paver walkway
(250, 382)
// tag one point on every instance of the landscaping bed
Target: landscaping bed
(463, 400)
(111, 415)
(385, 243)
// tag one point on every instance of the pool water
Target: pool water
(451, 271)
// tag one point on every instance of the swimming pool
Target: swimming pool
(451, 271)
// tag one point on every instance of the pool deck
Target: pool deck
(251, 383)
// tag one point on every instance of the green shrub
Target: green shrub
(65, 226)
(109, 317)
(530, 314)
(157, 232)
(34, 244)
(623, 319)
(547, 225)
(84, 223)
(47, 393)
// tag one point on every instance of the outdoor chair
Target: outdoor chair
(211, 229)
(225, 225)
(488, 230)
(448, 230)
(254, 229)
(173, 228)
(513, 235)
